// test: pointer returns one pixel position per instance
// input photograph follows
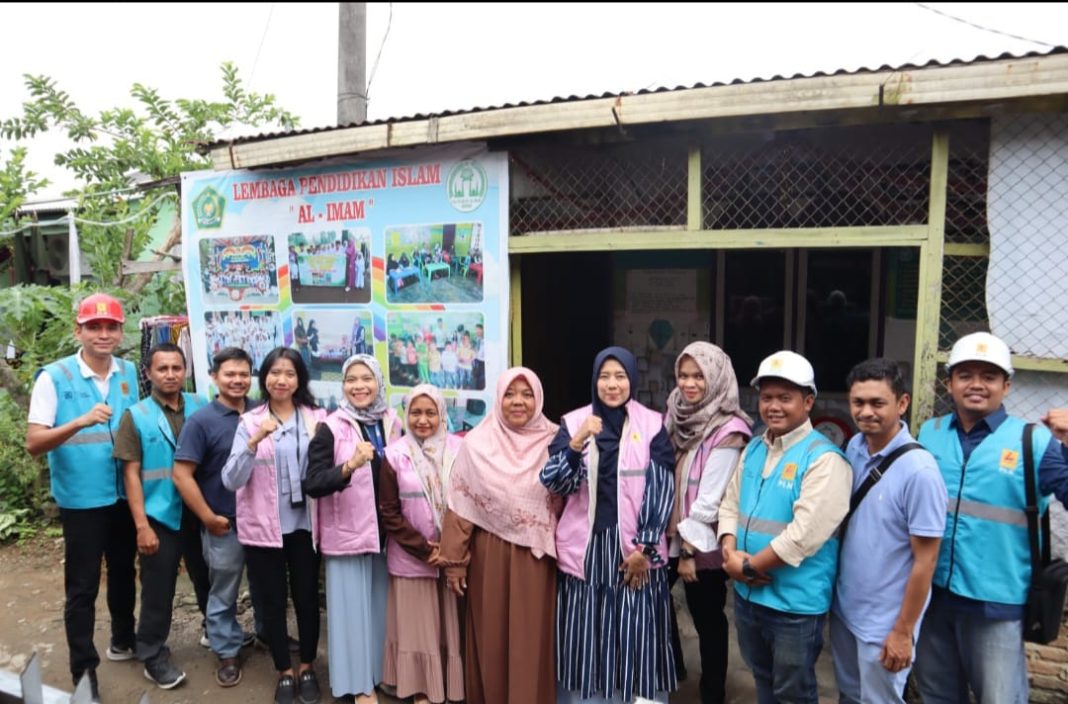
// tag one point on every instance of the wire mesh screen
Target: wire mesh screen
(572, 187)
(966, 186)
(841, 177)
(1008, 185)
(963, 298)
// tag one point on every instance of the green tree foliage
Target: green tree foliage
(155, 140)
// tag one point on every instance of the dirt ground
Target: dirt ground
(31, 620)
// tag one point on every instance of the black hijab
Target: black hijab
(612, 418)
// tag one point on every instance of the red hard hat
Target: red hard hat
(100, 306)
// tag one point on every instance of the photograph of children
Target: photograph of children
(239, 269)
(464, 411)
(254, 331)
(444, 349)
(434, 263)
(326, 338)
(331, 266)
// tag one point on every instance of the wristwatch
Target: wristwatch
(748, 570)
(685, 554)
(649, 550)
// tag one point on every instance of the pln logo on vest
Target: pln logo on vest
(786, 479)
(1009, 460)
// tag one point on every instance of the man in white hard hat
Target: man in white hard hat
(972, 636)
(777, 526)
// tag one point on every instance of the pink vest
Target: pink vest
(708, 560)
(258, 521)
(416, 509)
(348, 519)
(573, 530)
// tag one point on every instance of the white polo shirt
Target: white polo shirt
(43, 399)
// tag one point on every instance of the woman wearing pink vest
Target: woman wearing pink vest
(708, 430)
(422, 658)
(499, 539)
(344, 460)
(276, 522)
(613, 461)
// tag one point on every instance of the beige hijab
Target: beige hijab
(689, 424)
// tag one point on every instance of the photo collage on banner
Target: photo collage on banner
(404, 260)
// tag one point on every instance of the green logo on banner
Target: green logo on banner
(208, 209)
(467, 185)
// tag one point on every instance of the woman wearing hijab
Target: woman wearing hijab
(708, 430)
(612, 460)
(344, 460)
(499, 548)
(275, 522)
(422, 657)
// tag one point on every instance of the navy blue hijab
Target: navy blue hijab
(613, 418)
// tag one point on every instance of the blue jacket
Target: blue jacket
(162, 500)
(84, 474)
(985, 553)
(766, 507)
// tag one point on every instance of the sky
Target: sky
(426, 58)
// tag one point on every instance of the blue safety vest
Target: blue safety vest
(83, 472)
(162, 500)
(766, 507)
(985, 552)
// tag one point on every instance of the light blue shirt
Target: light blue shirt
(876, 559)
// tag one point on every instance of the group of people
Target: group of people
(255, 332)
(446, 359)
(357, 261)
(530, 562)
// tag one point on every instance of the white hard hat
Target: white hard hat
(981, 347)
(786, 365)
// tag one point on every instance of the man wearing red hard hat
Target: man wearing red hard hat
(75, 409)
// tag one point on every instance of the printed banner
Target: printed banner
(402, 259)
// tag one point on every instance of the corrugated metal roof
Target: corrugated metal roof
(933, 63)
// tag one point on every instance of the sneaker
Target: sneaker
(309, 688)
(286, 690)
(118, 653)
(164, 674)
(204, 640)
(229, 672)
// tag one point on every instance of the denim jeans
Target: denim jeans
(860, 674)
(226, 561)
(781, 649)
(957, 650)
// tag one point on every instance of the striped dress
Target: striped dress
(612, 642)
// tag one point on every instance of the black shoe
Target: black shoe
(309, 688)
(286, 690)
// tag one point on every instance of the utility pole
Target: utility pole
(351, 63)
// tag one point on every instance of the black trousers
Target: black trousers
(706, 599)
(89, 535)
(193, 557)
(268, 568)
(159, 573)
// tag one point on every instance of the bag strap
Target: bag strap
(876, 474)
(871, 480)
(1039, 557)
